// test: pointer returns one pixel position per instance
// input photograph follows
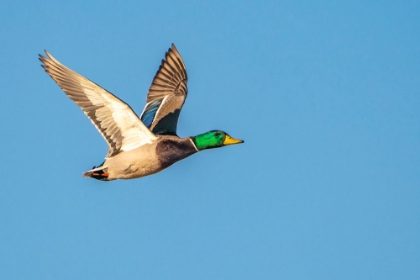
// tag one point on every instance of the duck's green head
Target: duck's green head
(214, 139)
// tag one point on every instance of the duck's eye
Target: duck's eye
(217, 134)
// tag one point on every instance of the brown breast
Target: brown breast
(172, 149)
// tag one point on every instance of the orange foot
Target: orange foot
(100, 174)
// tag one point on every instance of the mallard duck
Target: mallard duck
(137, 146)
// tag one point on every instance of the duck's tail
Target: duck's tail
(98, 173)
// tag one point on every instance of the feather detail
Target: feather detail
(113, 118)
(166, 95)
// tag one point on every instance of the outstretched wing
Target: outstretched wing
(114, 119)
(166, 95)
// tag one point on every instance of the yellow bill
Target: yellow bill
(230, 140)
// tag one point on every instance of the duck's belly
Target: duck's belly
(136, 170)
(138, 163)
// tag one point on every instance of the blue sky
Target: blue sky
(326, 186)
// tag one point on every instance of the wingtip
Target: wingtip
(42, 57)
(173, 47)
(48, 56)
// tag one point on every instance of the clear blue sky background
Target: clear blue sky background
(326, 186)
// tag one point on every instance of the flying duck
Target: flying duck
(137, 146)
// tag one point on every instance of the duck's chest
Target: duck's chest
(169, 151)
